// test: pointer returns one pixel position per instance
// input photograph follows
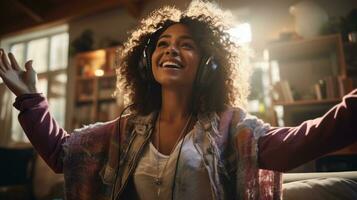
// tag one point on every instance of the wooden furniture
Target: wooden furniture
(309, 76)
(95, 85)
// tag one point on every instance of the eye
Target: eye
(162, 44)
(188, 45)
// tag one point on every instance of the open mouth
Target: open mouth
(170, 64)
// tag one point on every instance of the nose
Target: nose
(172, 49)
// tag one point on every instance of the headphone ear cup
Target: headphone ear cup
(148, 67)
(207, 72)
(144, 64)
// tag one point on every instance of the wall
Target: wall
(268, 18)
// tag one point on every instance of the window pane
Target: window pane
(42, 86)
(18, 50)
(57, 109)
(58, 85)
(57, 97)
(59, 51)
(38, 52)
(18, 134)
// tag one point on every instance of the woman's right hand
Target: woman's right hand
(17, 80)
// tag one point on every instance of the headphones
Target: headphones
(206, 72)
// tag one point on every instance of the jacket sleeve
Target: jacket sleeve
(41, 128)
(285, 148)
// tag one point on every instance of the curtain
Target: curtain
(5, 115)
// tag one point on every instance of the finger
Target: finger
(2, 70)
(4, 59)
(13, 62)
(28, 65)
(2, 67)
(2, 76)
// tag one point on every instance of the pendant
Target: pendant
(158, 181)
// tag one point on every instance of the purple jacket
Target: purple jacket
(279, 149)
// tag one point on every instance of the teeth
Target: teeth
(171, 64)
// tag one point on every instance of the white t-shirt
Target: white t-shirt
(152, 164)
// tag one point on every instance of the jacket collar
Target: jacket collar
(206, 122)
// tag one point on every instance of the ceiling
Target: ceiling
(20, 15)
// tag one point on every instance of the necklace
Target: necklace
(158, 178)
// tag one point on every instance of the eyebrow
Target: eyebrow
(181, 37)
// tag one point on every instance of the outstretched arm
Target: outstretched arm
(285, 148)
(41, 129)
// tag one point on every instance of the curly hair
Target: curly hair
(209, 26)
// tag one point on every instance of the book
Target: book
(345, 85)
(283, 90)
(317, 90)
(332, 87)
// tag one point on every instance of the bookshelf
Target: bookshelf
(307, 102)
(95, 83)
(301, 69)
(308, 77)
(309, 48)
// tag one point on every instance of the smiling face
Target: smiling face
(176, 57)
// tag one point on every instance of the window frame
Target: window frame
(49, 75)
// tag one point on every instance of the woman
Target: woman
(183, 138)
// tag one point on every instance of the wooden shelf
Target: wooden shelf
(106, 99)
(85, 78)
(302, 48)
(107, 75)
(85, 99)
(93, 98)
(90, 55)
(307, 102)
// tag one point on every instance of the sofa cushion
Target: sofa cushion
(320, 189)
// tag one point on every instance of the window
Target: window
(259, 98)
(241, 33)
(50, 57)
